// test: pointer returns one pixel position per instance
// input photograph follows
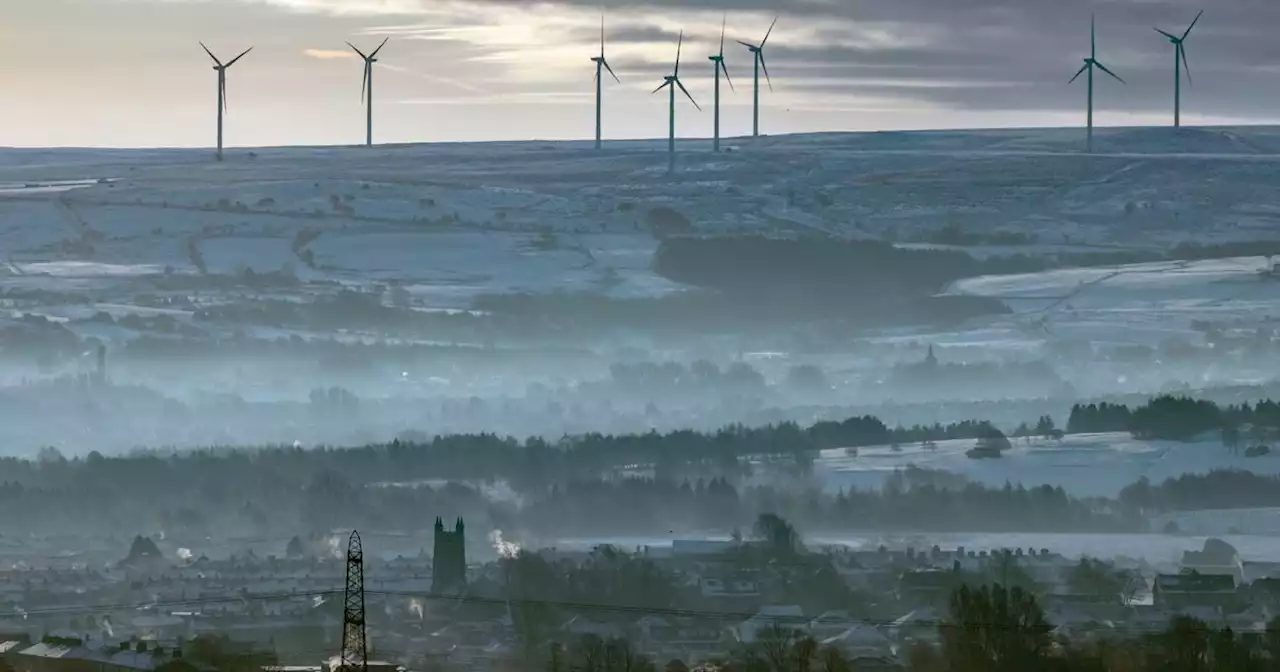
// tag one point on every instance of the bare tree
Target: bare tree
(775, 644)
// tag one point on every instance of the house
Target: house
(933, 586)
(1180, 592)
(1217, 557)
(780, 616)
(686, 638)
(830, 624)
(861, 641)
(59, 656)
(729, 587)
(67, 655)
(917, 625)
(10, 645)
(579, 626)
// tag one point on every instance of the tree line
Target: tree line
(1177, 418)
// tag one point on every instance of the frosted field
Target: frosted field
(1137, 303)
(458, 219)
(1084, 465)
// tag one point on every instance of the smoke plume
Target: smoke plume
(504, 548)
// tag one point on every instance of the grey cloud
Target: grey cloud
(1015, 54)
(628, 34)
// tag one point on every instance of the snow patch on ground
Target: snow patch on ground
(1085, 465)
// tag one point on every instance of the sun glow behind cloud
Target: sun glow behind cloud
(328, 54)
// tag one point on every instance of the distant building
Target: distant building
(1181, 592)
(449, 562)
(785, 617)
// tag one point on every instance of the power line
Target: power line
(166, 604)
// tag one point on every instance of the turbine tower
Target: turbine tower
(718, 66)
(757, 53)
(671, 82)
(1180, 60)
(366, 88)
(222, 87)
(601, 66)
(1089, 64)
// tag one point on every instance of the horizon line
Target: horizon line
(663, 140)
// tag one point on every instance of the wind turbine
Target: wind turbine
(1089, 64)
(671, 82)
(718, 66)
(222, 87)
(1179, 60)
(757, 52)
(601, 66)
(366, 87)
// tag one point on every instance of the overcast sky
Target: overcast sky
(130, 72)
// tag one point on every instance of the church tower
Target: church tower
(449, 562)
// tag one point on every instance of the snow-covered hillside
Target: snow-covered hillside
(544, 216)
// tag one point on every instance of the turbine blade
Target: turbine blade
(723, 22)
(222, 83)
(1182, 51)
(1079, 72)
(206, 50)
(353, 47)
(1106, 70)
(725, 68)
(1093, 36)
(765, 67)
(664, 85)
(1193, 24)
(688, 95)
(364, 79)
(606, 67)
(242, 55)
(602, 35)
(1174, 38)
(380, 46)
(679, 46)
(766, 35)
(748, 45)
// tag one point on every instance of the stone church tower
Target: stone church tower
(449, 562)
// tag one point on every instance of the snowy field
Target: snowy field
(451, 221)
(501, 216)
(1135, 303)
(1084, 465)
